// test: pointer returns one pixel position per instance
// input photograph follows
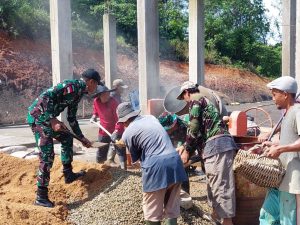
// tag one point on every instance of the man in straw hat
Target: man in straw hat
(105, 107)
(162, 168)
(207, 131)
(282, 205)
(119, 87)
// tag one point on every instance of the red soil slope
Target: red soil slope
(25, 70)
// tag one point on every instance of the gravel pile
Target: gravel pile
(121, 203)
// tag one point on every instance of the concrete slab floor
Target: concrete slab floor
(22, 134)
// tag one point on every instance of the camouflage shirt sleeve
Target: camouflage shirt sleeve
(49, 99)
(72, 109)
(194, 137)
(71, 117)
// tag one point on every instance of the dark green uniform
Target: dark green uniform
(50, 104)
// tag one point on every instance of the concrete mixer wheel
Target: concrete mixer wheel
(260, 117)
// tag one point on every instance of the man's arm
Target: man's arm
(275, 150)
(95, 114)
(49, 101)
(194, 135)
(71, 117)
(265, 136)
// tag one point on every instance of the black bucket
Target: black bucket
(173, 105)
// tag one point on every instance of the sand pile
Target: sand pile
(17, 190)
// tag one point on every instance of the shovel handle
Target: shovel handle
(94, 144)
(73, 135)
(102, 128)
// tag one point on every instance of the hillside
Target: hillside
(26, 71)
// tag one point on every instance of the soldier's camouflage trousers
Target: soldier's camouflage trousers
(44, 141)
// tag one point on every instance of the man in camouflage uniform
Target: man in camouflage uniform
(42, 120)
(207, 131)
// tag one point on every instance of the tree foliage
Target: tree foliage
(26, 17)
(234, 26)
(238, 30)
(126, 16)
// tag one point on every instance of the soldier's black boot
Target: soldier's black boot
(69, 175)
(42, 198)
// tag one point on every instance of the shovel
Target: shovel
(94, 144)
(119, 143)
(102, 128)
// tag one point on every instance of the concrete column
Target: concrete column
(288, 37)
(110, 48)
(148, 51)
(297, 70)
(61, 41)
(196, 41)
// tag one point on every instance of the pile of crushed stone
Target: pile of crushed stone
(18, 190)
(103, 196)
(121, 203)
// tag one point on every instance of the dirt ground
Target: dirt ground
(17, 190)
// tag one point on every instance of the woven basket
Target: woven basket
(260, 170)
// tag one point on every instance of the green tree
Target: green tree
(126, 16)
(26, 17)
(173, 20)
(235, 25)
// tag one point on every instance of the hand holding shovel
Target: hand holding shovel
(84, 141)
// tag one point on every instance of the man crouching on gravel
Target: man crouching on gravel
(162, 168)
(42, 120)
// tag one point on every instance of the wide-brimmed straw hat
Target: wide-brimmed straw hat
(125, 112)
(119, 82)
(101, 89)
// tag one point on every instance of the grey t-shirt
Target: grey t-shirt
(148, 142)
(290, 131)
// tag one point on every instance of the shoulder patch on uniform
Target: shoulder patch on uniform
(69, 88)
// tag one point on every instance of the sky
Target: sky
(274, 14)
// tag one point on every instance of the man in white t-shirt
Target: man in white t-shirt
(282, 205)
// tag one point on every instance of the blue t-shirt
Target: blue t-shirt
(148, 142)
